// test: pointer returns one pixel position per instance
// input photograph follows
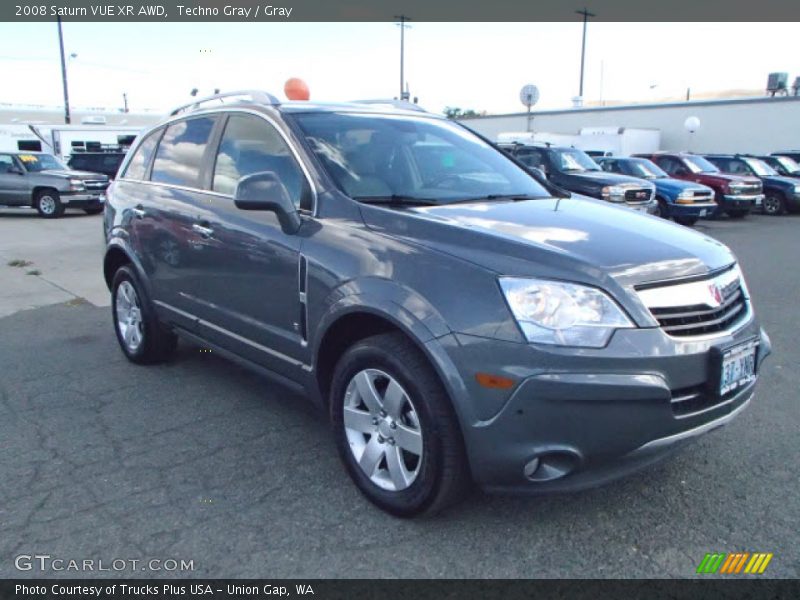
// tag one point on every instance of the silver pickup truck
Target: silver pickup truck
(43, 182)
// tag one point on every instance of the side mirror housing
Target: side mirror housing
(15, 170)
(537, 172)
(264, 191)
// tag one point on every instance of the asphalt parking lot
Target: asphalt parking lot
(200, 460)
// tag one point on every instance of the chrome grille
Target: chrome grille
(637, 195)
(95, 184)
(746, 189)
(700, 307)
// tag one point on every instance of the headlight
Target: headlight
(797, 189)
(76, 184)
(614, 193)
(563, 314)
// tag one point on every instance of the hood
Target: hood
(722, 178)
(780, 181)
(606, 178)
(678, 185)
(68, 174)
(588, 240)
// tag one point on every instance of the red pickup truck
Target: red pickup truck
(736, 195)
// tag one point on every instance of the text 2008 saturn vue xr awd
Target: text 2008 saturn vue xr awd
(458, 322)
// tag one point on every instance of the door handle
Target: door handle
(203, 230)
(138, 211)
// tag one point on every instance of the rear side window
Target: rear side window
(180, 152)
(137, 167)
(252, 145)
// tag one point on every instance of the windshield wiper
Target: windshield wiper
(490, 197)
(396, 199)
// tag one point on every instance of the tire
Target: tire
(93, 211)
(737, 214)
(48, 204)
(142, 338)
(425, 469)
(774, 205)
(662, 210)
(687, 221)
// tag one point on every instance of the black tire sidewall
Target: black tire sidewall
(422, 492)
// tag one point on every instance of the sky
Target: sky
(479, 66)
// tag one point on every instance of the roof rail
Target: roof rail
(256, 96)
(394, 102)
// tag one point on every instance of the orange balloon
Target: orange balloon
(296, 89)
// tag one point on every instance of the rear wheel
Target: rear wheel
(774, 205)
(48, 204)
(141, 336)
(395, 428)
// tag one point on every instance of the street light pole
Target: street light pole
(403, 26)
(67, 118)
(586, 14)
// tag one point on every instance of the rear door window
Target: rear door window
(137, 167)
(180, 152)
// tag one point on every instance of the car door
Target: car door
(250, 291)
(14, 184)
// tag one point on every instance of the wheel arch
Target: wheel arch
(38, 189)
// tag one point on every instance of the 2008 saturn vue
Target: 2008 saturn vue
(457, 323)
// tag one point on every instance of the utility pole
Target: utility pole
(586, 14)
(67, 118)
(125, 102)
(403, 19)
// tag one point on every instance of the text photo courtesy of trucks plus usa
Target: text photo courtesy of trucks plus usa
(264, 317)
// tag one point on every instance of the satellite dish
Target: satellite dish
(529, 95)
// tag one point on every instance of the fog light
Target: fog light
(551, 465)
(531, 467)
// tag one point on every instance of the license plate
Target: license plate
(738, 367)
(758, 200)
(703, 212)
(101, 198)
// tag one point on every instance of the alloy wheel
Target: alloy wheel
(129, 316)
(772, 205)
(47, 204)
(383, 429)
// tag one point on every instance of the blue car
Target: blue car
(684, 201)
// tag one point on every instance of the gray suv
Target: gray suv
(456, 322)
(46, 184)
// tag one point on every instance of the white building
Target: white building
(757, 125)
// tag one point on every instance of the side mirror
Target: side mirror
(15, 170)
(537, 172)
(681, 171)
(263, 191)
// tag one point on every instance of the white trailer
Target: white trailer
(60, 139)
(619, 141)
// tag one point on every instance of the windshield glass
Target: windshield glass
(698, 164)
(789, 164)
(646, 169)
(759, 167)
(40, 162)
(406, 157)
(576, 160)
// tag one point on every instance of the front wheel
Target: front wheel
(774, 205)
(141, 336)
(661, 209)
(48, 204)
(687, 221)
(395, 428)
(96, 210)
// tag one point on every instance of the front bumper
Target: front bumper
(697, 209)
(83, 199)
(579, 417)
(742, 202)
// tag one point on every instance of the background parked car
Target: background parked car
(574, 170)
(780, 193)
(784, 165)
(736, 195)
(793, 154)
(106, 162)
(45, 183)
(684, 201)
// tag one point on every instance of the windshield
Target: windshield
(646, 169)
(789, 164)
(575, 160)
(698, 164)
(759, 167)
(411, 158)
(41, 162)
